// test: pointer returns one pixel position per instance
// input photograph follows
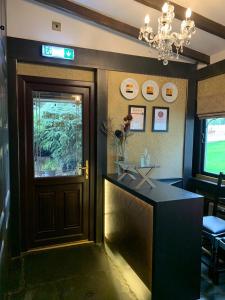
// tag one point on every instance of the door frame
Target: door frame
(23, 84)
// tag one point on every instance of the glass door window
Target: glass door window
(57, 134)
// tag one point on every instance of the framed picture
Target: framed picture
(160, 119)
(138, 117)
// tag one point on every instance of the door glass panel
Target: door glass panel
(57, 134)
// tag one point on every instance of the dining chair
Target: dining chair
(213, 227)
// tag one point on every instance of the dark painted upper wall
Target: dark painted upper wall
(30, 51)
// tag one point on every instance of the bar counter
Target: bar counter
(157, 231)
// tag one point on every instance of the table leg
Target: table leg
(145, 178)
(126, 174)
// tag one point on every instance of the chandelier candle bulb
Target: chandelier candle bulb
(165, 8)
(188, 13)
(147, 20)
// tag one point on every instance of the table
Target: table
(146, 218)
(128, 169)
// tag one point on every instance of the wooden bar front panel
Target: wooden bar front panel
(129, 229)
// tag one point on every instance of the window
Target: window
(214, 146)
(57, 134)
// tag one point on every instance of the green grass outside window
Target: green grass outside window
(215, 157)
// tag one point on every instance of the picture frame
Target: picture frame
(160, 119)
(138, 117)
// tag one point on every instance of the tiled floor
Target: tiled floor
(81, 274)
(70, 274)
(210, 291)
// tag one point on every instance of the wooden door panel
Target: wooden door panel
(73, 209)
(46, 212)
(59, 214)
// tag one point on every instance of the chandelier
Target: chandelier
(166, 41)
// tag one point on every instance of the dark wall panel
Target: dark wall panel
(4, 157)
(15, 228)
(30, 51)
(101, 168)
(189, 131)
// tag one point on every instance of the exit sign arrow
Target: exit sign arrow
(69, 53)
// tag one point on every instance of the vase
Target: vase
(121, 156)
(121, 152)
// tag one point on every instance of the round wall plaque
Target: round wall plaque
(150, 90)
(169, 92)
(129, 88)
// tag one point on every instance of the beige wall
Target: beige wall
(54, 72)
(166, 149)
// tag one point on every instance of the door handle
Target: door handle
(2, 27)
(86, 168)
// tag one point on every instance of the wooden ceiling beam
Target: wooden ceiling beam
(200, 21)
(98, 18)
(91, 15)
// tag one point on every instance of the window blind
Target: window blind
(211, 97)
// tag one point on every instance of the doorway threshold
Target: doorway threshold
(56, 246)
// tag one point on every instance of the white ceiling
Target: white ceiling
(133, 13)
(211, 9)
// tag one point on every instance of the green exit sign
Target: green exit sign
(58, 52)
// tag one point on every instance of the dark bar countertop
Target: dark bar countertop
(162, 193)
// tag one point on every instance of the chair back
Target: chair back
(218, 196)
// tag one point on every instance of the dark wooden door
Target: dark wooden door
(55, 161)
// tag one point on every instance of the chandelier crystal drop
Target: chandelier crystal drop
(166, 41)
